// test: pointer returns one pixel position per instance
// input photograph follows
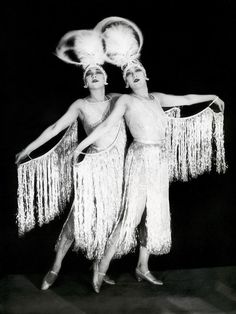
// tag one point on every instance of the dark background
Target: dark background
(188, 48)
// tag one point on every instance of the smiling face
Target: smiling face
(94, 78)
(135, 77)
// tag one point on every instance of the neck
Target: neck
(98, 94)
(141, 92)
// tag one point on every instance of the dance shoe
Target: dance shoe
(49, 279)
(108, 280)
(147, 276)
(98, 278)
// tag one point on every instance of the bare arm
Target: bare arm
(115, 94)
(117, 113)
(54, 129)
(167, 100)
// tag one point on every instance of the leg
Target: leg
(111, 250)
(101, 269)
(143, 252)
(65, 241)
(51, 276)
(64, 245)
(142, 271)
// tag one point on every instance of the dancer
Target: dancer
(146, 194)
(103, 162)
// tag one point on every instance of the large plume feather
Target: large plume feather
(122, 38)
(83, 47)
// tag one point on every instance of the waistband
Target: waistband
(146, 142)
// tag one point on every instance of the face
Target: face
(94, 78)
(135, 77)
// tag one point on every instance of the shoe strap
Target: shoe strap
(145, 274)
(102, 274)
(53, 272)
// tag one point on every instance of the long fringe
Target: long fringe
(195, 144)
(45, 183)
(190, 146)
(146, 176)
(98, 192)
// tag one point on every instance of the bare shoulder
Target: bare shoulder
(77, 106)
(126, 98)
(160, 97)
(157, 95)
(114, 96)
(78, 103)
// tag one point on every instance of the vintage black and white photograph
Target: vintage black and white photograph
(118, 159)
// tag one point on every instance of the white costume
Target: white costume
(184, 151)
(96, 183)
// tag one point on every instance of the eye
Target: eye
(138, 70)
(98, 72)
(88, 73)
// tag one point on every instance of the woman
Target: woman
(102, 161)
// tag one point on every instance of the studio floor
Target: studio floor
(202, 290)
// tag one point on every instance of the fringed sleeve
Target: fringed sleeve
(195, 144)
(45, 183)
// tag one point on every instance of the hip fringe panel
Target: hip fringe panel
(98, 191)
(45, 183)
(146, 175)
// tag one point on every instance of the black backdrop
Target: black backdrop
(188, 48)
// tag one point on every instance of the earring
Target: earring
(86, 85)
(127, 85)
(147, 79)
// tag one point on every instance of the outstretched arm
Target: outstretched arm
(117, 113)
(54, 129)
(115, 94)
(167, 100)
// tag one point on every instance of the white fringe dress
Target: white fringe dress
(186, 152)
(98, 193)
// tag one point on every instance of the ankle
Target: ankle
(56, 268)
(142, 268)
(102, 267)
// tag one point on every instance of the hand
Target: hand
(220, 103)
(21, 155)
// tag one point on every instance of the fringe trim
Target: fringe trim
(195, 144)
(145, 178)
(98, 192)
(45, 183)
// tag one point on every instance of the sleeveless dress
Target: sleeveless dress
(98, 192)
(146, 175)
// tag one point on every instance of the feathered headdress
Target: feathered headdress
(123, 41)
(84, 48)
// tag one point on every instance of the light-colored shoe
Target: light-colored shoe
(49, 279)
(98, 278)
(108, 280)
(147, 276)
